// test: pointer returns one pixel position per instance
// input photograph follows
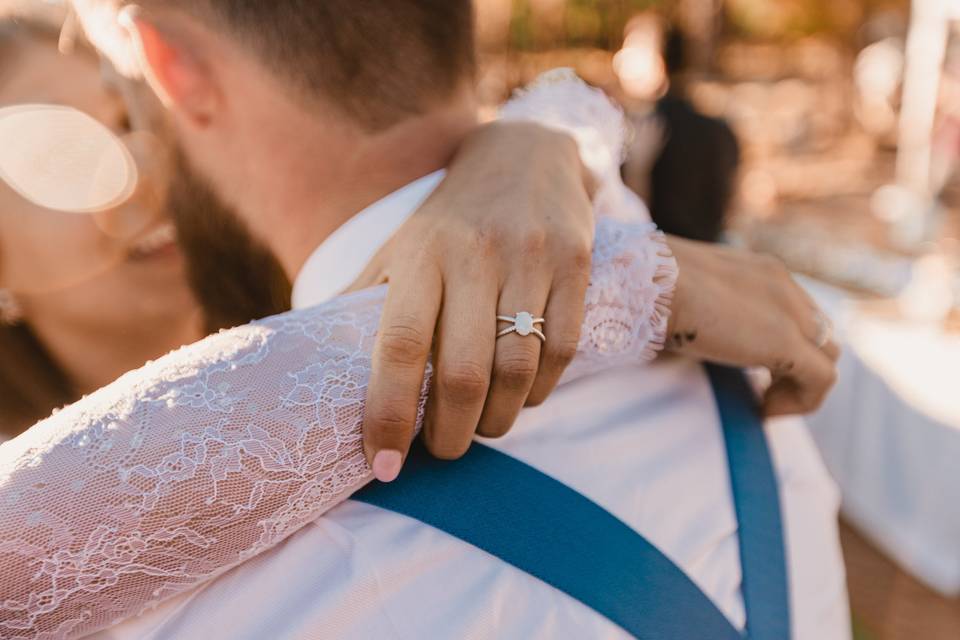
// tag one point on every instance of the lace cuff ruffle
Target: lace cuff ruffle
(628, 300)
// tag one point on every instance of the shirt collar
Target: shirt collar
(343, 256)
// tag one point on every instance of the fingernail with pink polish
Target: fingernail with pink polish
(387, 465)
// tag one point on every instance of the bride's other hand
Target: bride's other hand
(743, 309)
(509, 230)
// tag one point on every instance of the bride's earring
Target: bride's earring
(10, 312)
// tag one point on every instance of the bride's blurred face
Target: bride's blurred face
(79, 266)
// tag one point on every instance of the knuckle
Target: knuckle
(517, 372)
(576, 245)
(464, 382)
(487, 241)
(581, 256)
(403, 342)
(534, 241)
(389, 422)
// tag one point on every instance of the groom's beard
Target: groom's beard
(235, 278)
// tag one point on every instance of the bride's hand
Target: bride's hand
(743, 309)
(510, 230)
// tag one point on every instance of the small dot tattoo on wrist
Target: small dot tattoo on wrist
(682, 339)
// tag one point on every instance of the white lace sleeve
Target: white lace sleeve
(215, 453)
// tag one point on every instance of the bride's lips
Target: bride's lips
(159, 243)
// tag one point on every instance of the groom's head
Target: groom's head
(280, 102)
(376, 62)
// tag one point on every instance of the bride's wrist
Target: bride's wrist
(677, 297)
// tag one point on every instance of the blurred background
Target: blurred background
(826, 132)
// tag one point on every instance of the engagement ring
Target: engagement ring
(523, 324)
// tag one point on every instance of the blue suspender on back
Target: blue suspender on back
(756, 498)
(543, 527)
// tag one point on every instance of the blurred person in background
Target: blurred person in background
(685, 162)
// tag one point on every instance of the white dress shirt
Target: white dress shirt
(644, 442)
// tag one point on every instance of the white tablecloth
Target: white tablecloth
(890, 435)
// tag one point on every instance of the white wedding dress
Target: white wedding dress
(218, 452)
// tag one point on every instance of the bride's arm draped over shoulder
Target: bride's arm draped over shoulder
(211, 455)
(217, 452)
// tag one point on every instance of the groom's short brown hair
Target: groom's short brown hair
(379, 60)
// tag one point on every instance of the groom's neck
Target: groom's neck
(333, 184)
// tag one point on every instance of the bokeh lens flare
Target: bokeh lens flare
(62, 159)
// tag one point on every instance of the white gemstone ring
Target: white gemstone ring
(824, 330)
(523, 324)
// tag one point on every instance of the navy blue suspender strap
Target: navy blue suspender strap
(756, 498)
(553, 533)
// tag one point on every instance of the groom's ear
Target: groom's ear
(172, 63)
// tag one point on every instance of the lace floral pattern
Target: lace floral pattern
(217, 452)
(182, 469)
(628, 300)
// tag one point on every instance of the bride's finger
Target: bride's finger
(517, 357)
(397, 369)
(463, 357)
(803, 386)
(564, 321)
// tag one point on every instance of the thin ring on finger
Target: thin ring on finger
(817, 325)
(824, 330)
(516, 361)
(523, 324)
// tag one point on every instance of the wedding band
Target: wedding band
(523, 324)
(824, 330)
